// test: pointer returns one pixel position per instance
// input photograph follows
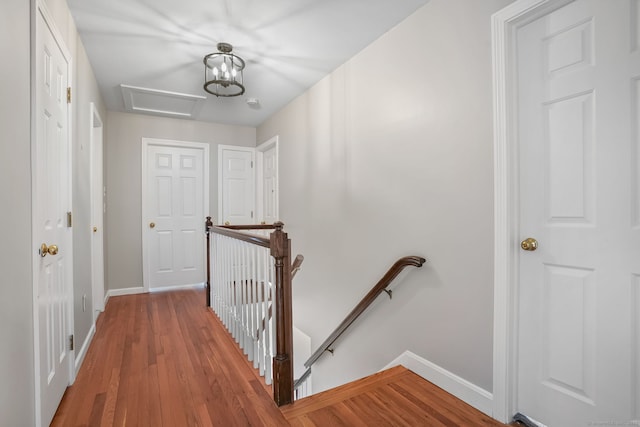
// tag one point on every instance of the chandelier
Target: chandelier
(223, 72)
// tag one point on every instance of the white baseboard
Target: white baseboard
(141, 290)
(124, 291)
(470, 393)
(175, 288)
(83, 351)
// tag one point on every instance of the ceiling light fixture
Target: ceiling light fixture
(223, 72)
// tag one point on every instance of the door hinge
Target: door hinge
(69, 219)
(71, 345)
(69, 95)
(251, 164)
(252, 214)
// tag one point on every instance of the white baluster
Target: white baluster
(268, 263)
(260, 306)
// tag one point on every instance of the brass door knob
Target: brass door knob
(95, 229)
(51, 250)
(152, 225)
(227, 223)
(529, 244)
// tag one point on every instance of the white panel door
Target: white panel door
(578, 291)
(237, 185)
(175, 212)
(52, 200)
(270, 185)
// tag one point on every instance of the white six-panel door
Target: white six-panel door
(579, 291)
(175, 206)
(52, 200)
(236, 185)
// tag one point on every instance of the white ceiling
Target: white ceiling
(288, 44)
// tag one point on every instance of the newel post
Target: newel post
(208, 225)
(283, 362)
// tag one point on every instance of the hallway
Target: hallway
(164, 359)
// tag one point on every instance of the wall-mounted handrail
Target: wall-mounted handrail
(381, 286)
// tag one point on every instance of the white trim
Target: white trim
(219, 219)
(85, 346)
(177, 288)
(470, 393)
(260, 150)
(40, 7)
(504, 25)
(124, 291)
(129, 94)
(141, 290)
(146, 142)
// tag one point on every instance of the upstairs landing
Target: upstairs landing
(394, 397)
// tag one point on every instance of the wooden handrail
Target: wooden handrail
(250, 227)
(295, 267)
(250, 238)
(381, 286)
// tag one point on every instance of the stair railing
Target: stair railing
(247, 274)
(380, 287)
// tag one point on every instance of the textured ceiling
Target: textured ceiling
(289, 45)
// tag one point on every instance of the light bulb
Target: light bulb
(226, 75)
(234, 72)
(215, 72)
(223, 67)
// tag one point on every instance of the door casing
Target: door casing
(504, 26)
(260, 196)
(97, 209)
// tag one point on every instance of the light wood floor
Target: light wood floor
(164, 359)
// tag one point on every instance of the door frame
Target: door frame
(39, 7)
(146, 143)
(220, 178)
(504, 26)
(260, 150)
(96, 125)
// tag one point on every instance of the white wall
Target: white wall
(391, 155)
(123, 150)
(16, 289)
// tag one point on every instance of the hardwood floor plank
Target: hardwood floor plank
(97, 409)
(408, 413)
(111, 398)
(163, 359)
(396, 397)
